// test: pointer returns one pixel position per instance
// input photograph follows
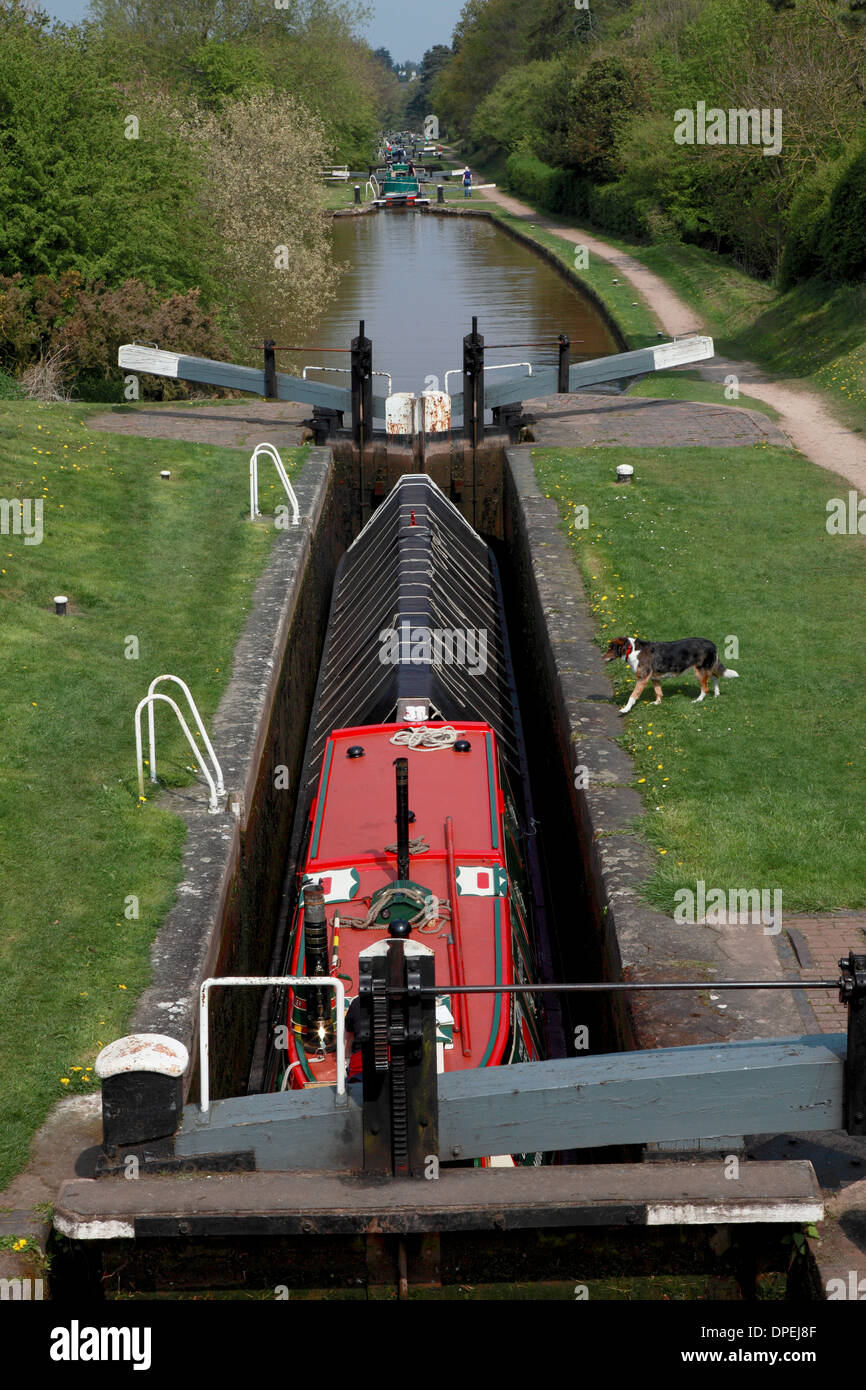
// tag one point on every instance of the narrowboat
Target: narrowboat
(416, 667)
(400, 188)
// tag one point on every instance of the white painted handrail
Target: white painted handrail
(500, 366)
(346, 370)
(284, 479)
(204, 1020)
(199, 723)
(213, 805)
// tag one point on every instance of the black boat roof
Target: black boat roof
(416, 567)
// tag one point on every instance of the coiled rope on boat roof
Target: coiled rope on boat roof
(427, 740)
(431, 917)
(417, 845)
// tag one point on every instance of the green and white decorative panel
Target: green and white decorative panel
(482, 881)
(338, 885)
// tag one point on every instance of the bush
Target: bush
(840, 240)
(9, 388)
(87, 324)
(556, 190)
(546, 187)
(511, 117)
(613, 209)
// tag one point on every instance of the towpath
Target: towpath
(803, 414)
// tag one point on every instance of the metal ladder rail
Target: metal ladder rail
(199, 723)
(347, 371)
(213, 803)
(273, 454)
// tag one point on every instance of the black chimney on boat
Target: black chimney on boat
(402, 766)
(319, 1027)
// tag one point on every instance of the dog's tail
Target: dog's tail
(721, 670)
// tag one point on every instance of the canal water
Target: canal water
(417, 280)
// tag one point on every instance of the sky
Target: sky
(406, 27)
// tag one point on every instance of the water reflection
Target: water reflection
(417, 280)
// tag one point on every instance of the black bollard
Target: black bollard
(362, 388)
(564, 362)
(270, 370)
(473, 385)
(142, 1088)
(440, 193)
(357, 193)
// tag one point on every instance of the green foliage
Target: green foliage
(222, 70)
(589, 114)
(89, 321)
(484, 49)
(545, 187)
(511, 116)
(111, 214)
(9, 388)
(420, 102)
(75, 192)
(609, 88)
(552, 26)
(806, 220)
(841, 239)
(560, 191)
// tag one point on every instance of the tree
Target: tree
(840, 241)
(512, 116)
(485, 45)
(266, 199)
(588, 114)
(421, 98)
(76, 192)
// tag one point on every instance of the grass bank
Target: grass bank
(812, 335)
(162, 569)
(761, 788)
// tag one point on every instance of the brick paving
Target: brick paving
(818, 942)
(643, 422)
(236, 426)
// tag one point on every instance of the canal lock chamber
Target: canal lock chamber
(494, 488)
(519, 1264)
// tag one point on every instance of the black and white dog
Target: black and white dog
(652, 660)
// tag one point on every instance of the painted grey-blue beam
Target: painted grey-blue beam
(599, 371)
(764, 1087)
(639, 1097)
(229, 375)
(304, 1129)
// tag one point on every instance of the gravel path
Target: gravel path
(236, 426)
(803, 414)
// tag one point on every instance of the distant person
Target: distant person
(411, 169)
(467, 182)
